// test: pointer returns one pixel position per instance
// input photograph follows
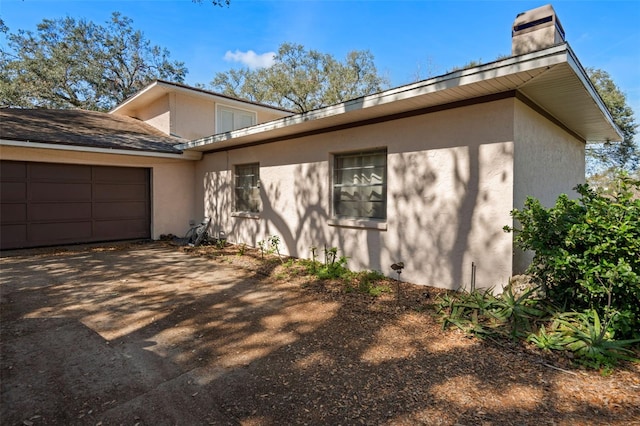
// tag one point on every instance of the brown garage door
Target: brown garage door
(49, 204)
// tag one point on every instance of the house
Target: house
(425, 173)
(71, 176)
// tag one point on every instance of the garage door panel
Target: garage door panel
(13, 212)
(13, 191)
(49, 204)
(59, 172)
(119, 174)
(60, 231)
(131, 228)
(120, 210)
(12, 234)
(13, 170)
(59, 211)
(51, 191)
(106, 192)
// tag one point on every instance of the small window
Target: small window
(247, 188)
(360, 185)
(229, 119)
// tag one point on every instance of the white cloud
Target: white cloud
(250, 58)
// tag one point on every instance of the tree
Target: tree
(71, 63)
(623, 155)
(303, 80)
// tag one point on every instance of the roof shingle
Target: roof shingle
(84, 128)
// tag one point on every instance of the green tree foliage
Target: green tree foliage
(587, 252)
(69, 63)
(623, 155)
(303, 80)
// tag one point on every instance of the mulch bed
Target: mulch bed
(389, 354)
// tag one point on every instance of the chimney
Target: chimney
(536, 29)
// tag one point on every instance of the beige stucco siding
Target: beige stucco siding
(156, 114)
(449, 195)
(192, 116)
(172, 181)
(548, 161)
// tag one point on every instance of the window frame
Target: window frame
(245, 206)
(359, 220)
(234, 111)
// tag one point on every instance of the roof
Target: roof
(159, 88)
(84, 128)
(551, 80)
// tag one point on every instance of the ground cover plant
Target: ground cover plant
(587, 270)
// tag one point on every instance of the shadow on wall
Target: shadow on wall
(444, 208)
(448, 198)
(218, 200)
(441, 217)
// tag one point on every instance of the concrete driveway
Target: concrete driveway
(143, 334)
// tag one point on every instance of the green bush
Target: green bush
(587, 252)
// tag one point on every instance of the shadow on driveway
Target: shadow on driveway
(146, 334)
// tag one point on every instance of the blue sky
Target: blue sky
(407, 38)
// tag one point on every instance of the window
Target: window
(360, 185)
(229, 119)
(247, 185)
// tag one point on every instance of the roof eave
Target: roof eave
(510, 74)
(147, 95)
(581, 73)
(183, 155)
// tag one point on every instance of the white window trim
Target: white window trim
(220, 106)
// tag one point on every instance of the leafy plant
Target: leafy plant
(263, 248)
(313, 257)
(368, 283)
(481, 313)
(518, 311)
(334, 269)
(587, 252)
(587, 337)
(330, 255)
(274, 242)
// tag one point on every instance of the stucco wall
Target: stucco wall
(193, 117)
(548, 162)
(172, 182)
(449, 195)
(156, 114)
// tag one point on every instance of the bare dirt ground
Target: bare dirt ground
(152, 334)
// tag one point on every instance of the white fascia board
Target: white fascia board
(541, 60)
(194, 92)
(189, 155)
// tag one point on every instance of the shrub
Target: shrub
(587, 252)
